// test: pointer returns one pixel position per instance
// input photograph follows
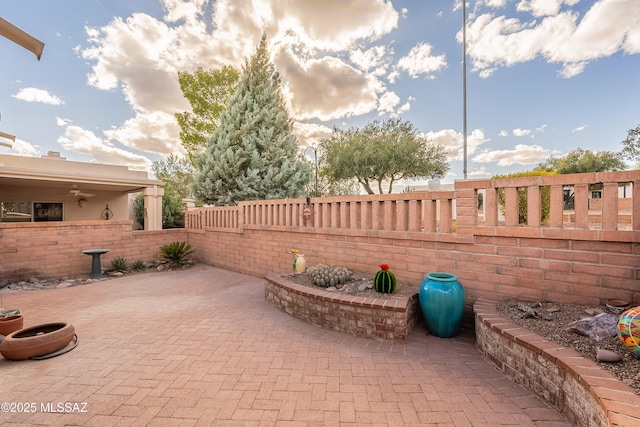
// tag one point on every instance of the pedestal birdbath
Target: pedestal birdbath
(96, 268)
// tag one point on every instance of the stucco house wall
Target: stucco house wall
(74, 191)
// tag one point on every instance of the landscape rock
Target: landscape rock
(607, 356)
(34, 284)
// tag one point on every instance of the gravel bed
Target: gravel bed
(627, 369)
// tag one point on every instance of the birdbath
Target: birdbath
(96, 268)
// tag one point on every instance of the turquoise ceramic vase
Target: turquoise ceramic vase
(442, 301)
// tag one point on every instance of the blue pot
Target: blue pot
(442, 301)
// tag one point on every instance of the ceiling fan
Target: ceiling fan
(75, 192)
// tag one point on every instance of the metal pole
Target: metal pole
(464, 84)
(315, 157)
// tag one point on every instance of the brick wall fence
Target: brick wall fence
(494, 254)
(54, 249)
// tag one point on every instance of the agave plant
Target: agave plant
(176, 252)
(137, 265)
(120, 264)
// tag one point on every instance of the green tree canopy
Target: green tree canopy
(253, 154)
(381, 152)
(582, 161)
(208, 92)
(631, 146)
(177, 173)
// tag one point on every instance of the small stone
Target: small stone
(363, 287)
(332, 289)
(3, 283)
(66, 284)
(553, 309)
(33, 280)
(607, 356)
(593, 311)
(160, 267)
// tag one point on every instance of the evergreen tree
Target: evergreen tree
(253, 154)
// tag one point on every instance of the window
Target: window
(15, 211)
(30, 211)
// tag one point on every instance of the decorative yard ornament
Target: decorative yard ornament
(384, 281)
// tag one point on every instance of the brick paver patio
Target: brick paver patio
(202, 347)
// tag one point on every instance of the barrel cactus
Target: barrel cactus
(384, 281)
(326, 275)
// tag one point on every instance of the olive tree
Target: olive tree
(381, 153)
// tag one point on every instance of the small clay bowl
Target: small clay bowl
(617, 306)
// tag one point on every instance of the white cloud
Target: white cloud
(479, 172)
(310, 134)
(393, 76)
(376, 58)
(494, 3)
(307, 41)
(561, 36)
(521, 132)
(453, 142)
(520, 155)
(420, 60)
(503, 133)
(326, 88)
(388, 102)
(20, 147)
(406, 106)
(579, 128)
(32, 94)
(60, 121)
(543, 7)
(86, 142)
(153, 132)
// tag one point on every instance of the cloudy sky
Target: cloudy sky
(544, 76)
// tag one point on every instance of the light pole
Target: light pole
(315, 157)
(464, 85)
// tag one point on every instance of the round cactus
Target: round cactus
(384, 281)
(326, 275)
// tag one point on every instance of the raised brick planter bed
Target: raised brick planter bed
(388, 319)
(582, 391)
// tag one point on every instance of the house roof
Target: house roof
(53, 171)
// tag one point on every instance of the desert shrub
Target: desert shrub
(137, 265)
(120, 264)
(175, 252)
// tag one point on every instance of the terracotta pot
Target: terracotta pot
(38, 340)
(11, 324)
